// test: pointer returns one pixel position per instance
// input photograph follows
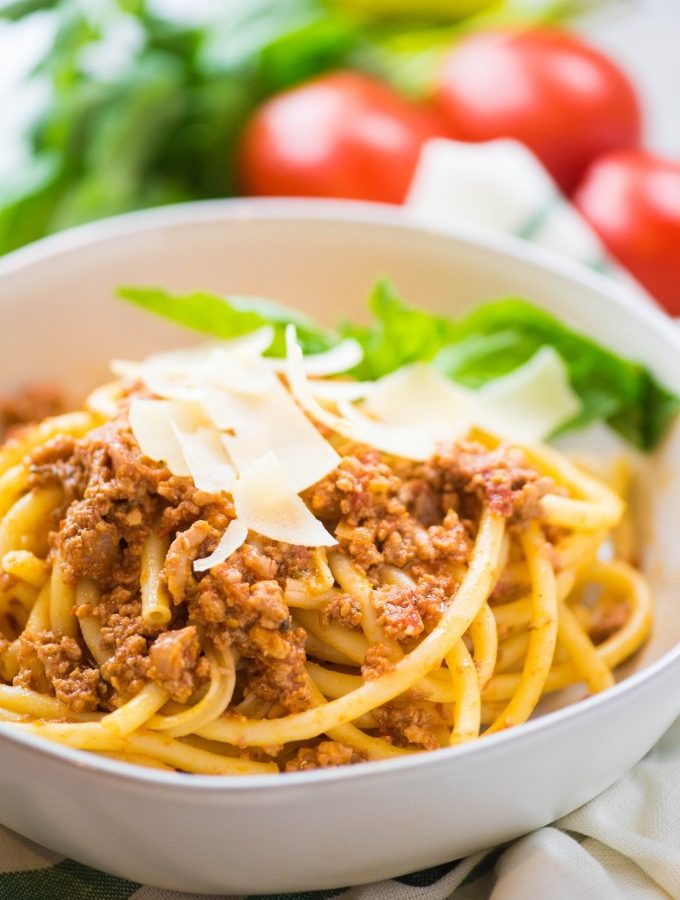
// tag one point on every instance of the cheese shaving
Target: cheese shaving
(341, 358)
(267, 504)
(530, 403)
(206, 458)
(419, 396)
(233, 538)
(269, 422)
(398, 441)
(152, 424)
(240, 373)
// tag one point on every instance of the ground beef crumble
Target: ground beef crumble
(30, 403)
(61, 662)
(324, 755)
(251, 615)
(173, 659)
(405, 724)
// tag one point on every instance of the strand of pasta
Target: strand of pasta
(26, 524)
(26, 566)
(583, 653)
(313, 591)
(371, 747)
(581, 515)
(466, 695)
(298, 598)
(155, 599)
(613, 651)
(26, 702)
(137, 711)
(516, 614)
(63, 620)
(558, 466)
(543, 636)
(404, 674)
(17, 448)
(12, 486)
(18, 600)
(512, 651)
(165, 749)
(484, 634)
(103, 401)
(9, 661)
(352, 580)
(39, 617)
(88, 596)
(135, 759)
(578, 550)
(318, 649)
(337, 684)
(210, 706)
(350, 644)
(632, 635)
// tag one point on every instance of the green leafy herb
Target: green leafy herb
(231, 317)
(489, 342)
(399, 334)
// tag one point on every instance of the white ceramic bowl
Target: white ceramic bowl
(336, 827)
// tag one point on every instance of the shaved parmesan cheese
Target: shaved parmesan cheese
(170, 387)
(191, 364)
(407, 443)
(206, 459)
(271, 422)
(238, 372)
(152, 422)
(188, 359)
(419, 396)
(341, 358)
(255, 343)
(268, 505)
(531, 402)
(167, 375)
(234, 536)
(174, 362)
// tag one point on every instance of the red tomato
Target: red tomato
(560, 97)
(632, 199)
(340, 135)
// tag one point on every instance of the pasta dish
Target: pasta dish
(229, 562)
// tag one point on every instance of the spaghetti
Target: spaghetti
(454, 593)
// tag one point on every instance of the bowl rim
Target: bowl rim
(401, 220)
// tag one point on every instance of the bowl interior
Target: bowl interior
(61, 321)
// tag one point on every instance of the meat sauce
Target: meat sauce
(418, 517)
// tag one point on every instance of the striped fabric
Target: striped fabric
(625, 843)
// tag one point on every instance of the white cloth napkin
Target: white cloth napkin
(502, 186)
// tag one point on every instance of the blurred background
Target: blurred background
(114, 105)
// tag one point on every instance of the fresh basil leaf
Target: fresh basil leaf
(400, 334)
(231, 317)
(646, 426)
